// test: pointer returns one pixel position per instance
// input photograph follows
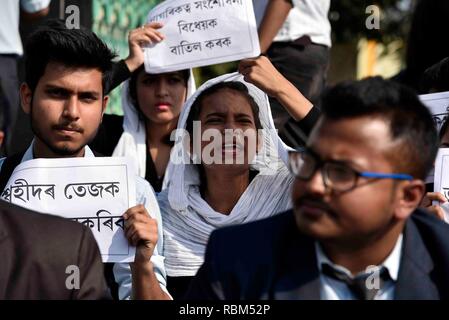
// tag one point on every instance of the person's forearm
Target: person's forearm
(132, 64)
(293, 101)
(145, 284)
(119, 73)
(275, 14)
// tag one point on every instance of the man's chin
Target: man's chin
(66, 149)
(316, 228)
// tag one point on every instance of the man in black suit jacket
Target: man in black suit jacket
(355, 231)
(47, 257)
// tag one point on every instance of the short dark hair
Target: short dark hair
(410, 121)
(132, 89)
(232, 85)
(436, 77)
(53, 42)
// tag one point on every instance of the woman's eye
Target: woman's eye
(147, 81)
(213, 120)
(175, 80)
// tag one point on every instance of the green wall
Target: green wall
(112, 20)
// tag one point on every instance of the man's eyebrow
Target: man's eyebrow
(68, 91)
(345, 161)
(55, 87)
(94, 94)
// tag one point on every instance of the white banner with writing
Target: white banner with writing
(200, 33)
(438, 104)
(441, 183)
(93, 191)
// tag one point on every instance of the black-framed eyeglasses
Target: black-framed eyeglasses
(336, 175)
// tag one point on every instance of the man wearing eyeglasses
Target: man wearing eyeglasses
(355, 231)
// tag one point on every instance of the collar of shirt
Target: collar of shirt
(391, 263)
(29, 153)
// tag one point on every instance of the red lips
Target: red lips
(163, 106)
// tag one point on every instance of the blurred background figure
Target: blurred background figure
(427, 42)
(436, 78)
(296, 37)
(10, 51)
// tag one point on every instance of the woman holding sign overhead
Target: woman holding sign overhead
(151, 105)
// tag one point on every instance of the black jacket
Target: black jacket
(38, 253)
(271, 259)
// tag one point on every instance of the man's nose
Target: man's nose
(71, 108)
(316, 185)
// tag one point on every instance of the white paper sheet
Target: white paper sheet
(438, 104)
(441, 183)
(199, 33)
(93, 191)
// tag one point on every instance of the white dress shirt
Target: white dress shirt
(306, 18)
(332, 289)
(144, 195)
(10, 42)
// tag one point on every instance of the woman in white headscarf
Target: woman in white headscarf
(151, 105)
(208, 195)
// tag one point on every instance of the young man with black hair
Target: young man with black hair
(436, 78)
(67, 77)
(355, 231)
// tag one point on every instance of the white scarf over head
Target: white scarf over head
(188, 219)
(132, 142)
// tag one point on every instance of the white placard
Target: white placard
(438, 104)
(200, 33)
(93, 191)
(441, 183)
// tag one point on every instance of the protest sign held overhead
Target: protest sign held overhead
(199, 33)
(438, 104)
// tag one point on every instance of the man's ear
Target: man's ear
(411, 194)
(104, 105)
(26, 96)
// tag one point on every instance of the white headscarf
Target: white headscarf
(132, 143)
(188, 219)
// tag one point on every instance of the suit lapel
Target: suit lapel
(6, 248)
(414, 278)
(297, 275)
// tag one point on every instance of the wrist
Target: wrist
(142, 267)
(132, 64)
(283, 90)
